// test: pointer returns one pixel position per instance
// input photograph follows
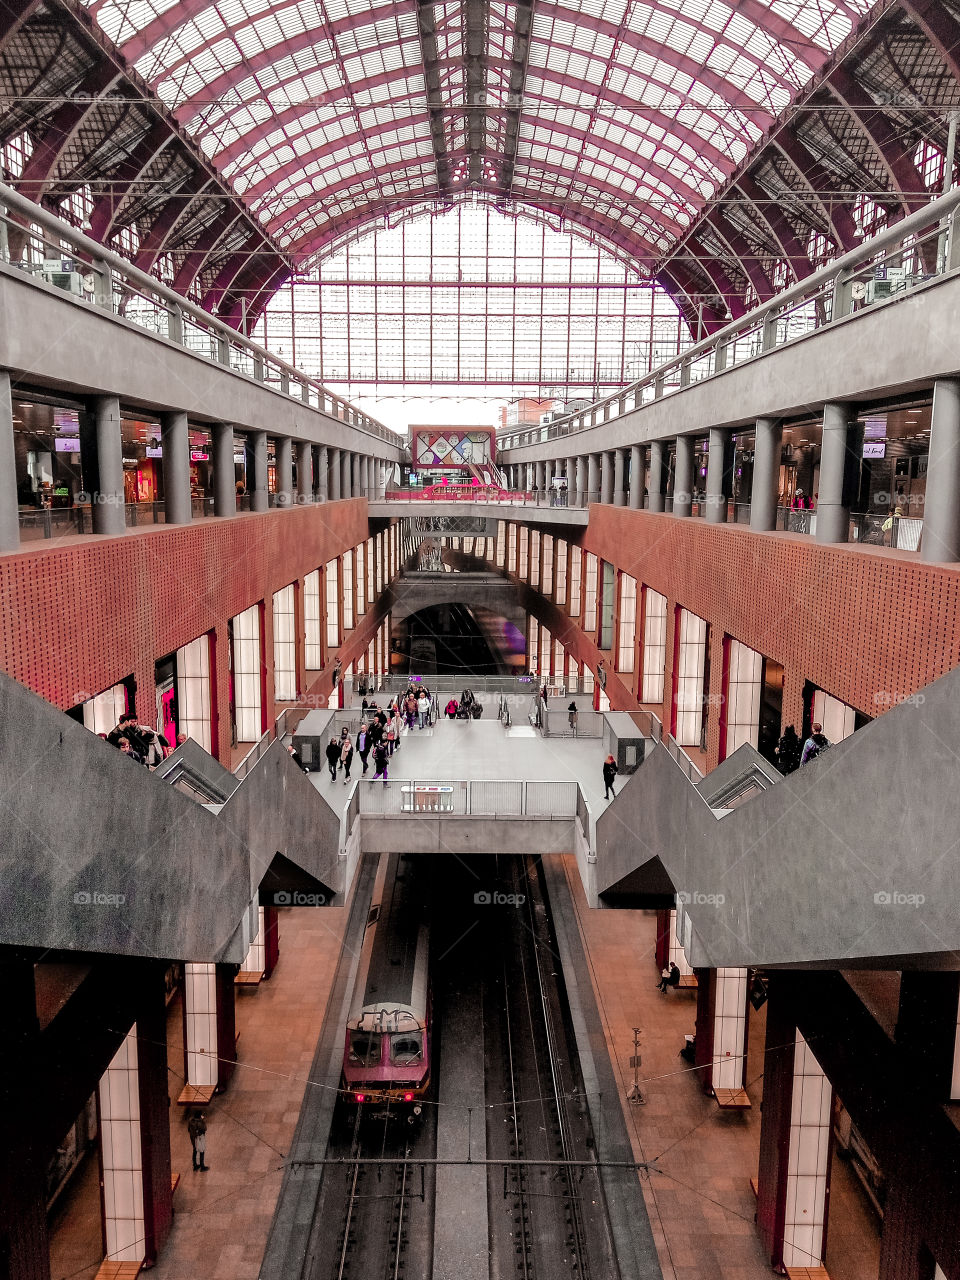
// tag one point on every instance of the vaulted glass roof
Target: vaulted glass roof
(619, 116)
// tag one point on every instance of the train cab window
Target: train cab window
(407, 1049)
(365, 1049)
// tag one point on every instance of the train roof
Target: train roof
(390, 993)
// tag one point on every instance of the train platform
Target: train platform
(222, 1217)
(698, 1193)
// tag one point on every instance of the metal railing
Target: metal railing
(920, 247)
(474, 797)
(53, 252)
(556, 724)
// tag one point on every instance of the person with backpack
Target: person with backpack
(572, 716)
(381, 761)
(814, 745)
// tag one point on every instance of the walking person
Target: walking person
(197, 1129)
(423, 710)
(346, 759)
(381, 760)
(609, 773)
(364, 744)
(333, 758)
(573, 715)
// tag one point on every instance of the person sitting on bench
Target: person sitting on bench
(669, 977)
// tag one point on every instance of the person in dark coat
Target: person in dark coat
(364, 745)
(789, 749)
(296, 757)
(609, 773)
(197, 1129)
(333, 757)
(381, 760)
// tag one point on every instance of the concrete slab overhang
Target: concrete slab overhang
(528, 513)
(852, 859)
(98, 855)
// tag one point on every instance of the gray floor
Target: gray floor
(484, 749)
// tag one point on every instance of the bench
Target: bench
(196, 1095)
(253, 978)
(174, 1182)
(755, 1188)
(807, 1273)
(732, 1099)
(110, 1270)
(688, 982)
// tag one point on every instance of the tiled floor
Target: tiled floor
(699, 1199)
(221, 1218)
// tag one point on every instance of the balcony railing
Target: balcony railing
(55, 253)
(921, 247)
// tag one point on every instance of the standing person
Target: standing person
(363, 745)
(788, 751)
(154, 746)
(333, 758)
(814, 744)
(423, 710)
(346, 758)
(381, 759)
(609, 773)
(573, 715)
(197, 1129)
(451, 709)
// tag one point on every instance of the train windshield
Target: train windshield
(365, 1048)
(407, 1048)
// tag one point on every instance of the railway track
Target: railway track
(546, 1221)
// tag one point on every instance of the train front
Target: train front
(386, 1061)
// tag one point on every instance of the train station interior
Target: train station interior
(479, 639)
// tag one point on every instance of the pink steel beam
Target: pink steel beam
(13, 14)
(194, 259)
(740, 251)
(819, 182)
(792, 251)
(179, 202)
(940, 28)
(226, 277)
(107, 207)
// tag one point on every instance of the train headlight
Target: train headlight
(408, 1097)
(360, 1097)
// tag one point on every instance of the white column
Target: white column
(108, 514)
(175, 437)
(9, 505)
(808, 1160)
(941, 517)
(766, 474)
(200, 1024)
(729, 1029)
(122, 1155)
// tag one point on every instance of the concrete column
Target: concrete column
(304, 471)
(346, 473)
(9, 506)
(593, 479)
(107, 497)
(619, 468)
(224, 472)
(548, 475)
(941, 516)
(683, 477)
(637, 476)
(284, 454)
(539, 475)
(657, 449)
(766, 474)
(833, 509)
(606, 477)
(175, 438)
(323, 463)
(259, 497)
(335, 474)
(718, 475)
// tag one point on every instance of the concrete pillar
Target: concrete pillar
(284, 456)
(619, 468)
(766, 474)
(606, 477)
(941, 516)
(548, 468)
(209, 1040)
(175, 438)
(346, 476)
(637, 476)
(683, 477)
(224, 471)
(323, 463)
(107, 495)
(335, 475)
(593, 479)
(657, 476)
(9, 506)
(304, 471)
(719, 474)
(833, 509)
(259, 497)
